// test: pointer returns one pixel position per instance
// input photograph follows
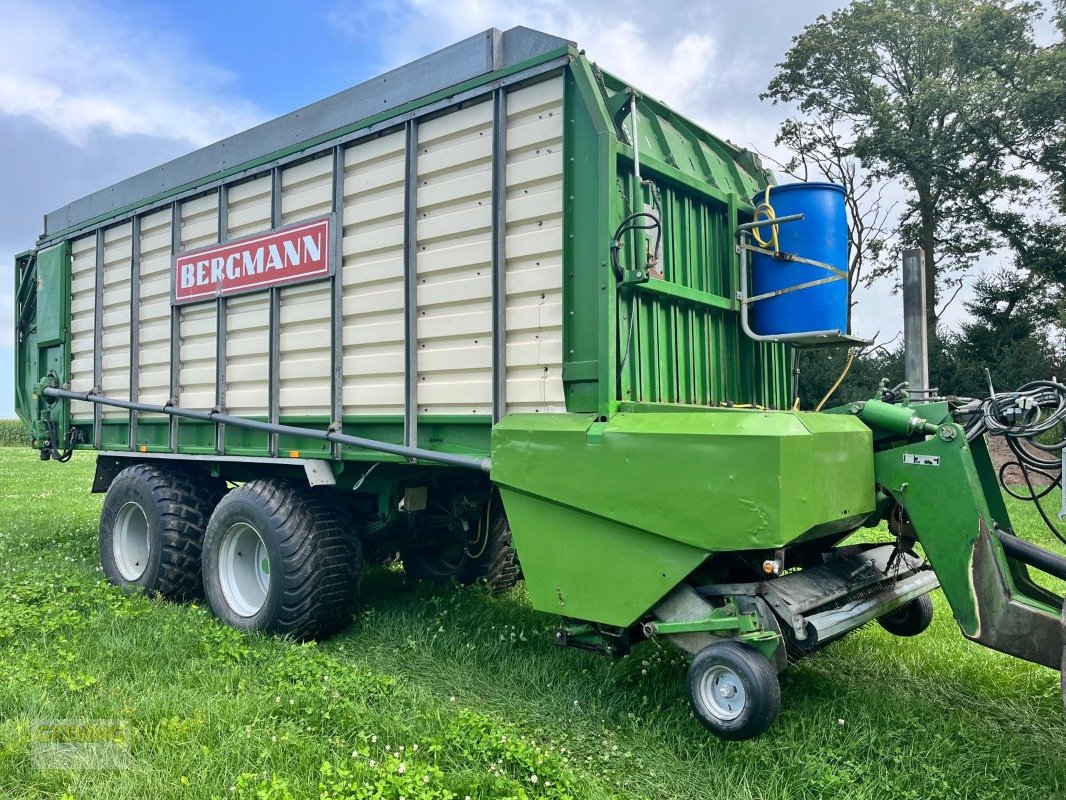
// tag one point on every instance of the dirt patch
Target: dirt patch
(1001, 454)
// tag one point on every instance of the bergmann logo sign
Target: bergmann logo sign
(290, 255)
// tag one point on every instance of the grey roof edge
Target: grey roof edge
(470, 58)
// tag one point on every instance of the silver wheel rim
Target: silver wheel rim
(244, 569)
(130, 544)
(723, 692)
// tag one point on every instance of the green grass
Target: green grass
(476, 683)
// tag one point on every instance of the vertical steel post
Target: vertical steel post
(135, 319)
(221, 327)
(175, 326)
(98, 337)
(336, 289)
(274, 370)
(915, 332)
(499, 254)
(410, 280)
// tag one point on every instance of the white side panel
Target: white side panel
(372, 275)
(304, 367)
(307, 190)
(248, 208)
(534, 248)
(82, 312)
(115, 341)
(248, 316)
(154, 332)
(248, 354)
(454, 262)
(453, 272)
(196, 375)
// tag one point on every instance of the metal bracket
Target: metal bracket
(824, 338)
(726, 618)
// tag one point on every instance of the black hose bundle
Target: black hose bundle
(1032, 421)
(69, 441)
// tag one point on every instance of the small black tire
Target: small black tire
(910, 619)
(152, 528)
(500, 561)
(733, 690)
(302, 544)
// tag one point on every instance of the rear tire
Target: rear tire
(733, 690)
(281, 559)
(492, 560)
(909, 619)
(152, 528)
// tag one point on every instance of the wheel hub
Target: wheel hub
(244, 569)
(723, 692)
(130, 543)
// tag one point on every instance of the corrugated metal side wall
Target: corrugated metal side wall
(454, 262)
(82, 321)
(534, 248)
(196, 373)
(452, 246)
(248, 316)
(115, 319)
(306, 193)
(372, 276)
(153, 331)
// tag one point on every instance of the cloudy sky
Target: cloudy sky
(93, 91)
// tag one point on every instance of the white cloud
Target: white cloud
(673, 68)
(89, 95)
(80, 69)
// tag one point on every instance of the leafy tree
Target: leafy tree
(910, 80)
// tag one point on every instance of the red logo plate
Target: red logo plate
(290, 255)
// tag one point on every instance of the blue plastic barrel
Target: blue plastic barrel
(821, 236)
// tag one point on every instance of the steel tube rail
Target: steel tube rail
(1032, 555)
(750, 226)
(451, 459)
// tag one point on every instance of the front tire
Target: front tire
(910, 619)
(152, 528)
(281, 559)
(733, 690)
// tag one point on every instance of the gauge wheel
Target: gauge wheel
(909, 619)
(733, 690)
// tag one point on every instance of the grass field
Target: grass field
(438, 692)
